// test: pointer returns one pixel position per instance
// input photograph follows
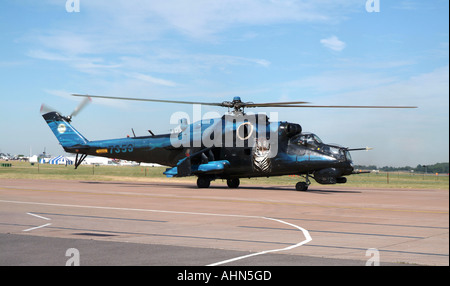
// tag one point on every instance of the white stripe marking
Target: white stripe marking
(38, 216)
(41, 226)
(304, 231)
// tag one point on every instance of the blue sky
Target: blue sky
(324, 52)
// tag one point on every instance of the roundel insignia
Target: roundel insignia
(61, 128)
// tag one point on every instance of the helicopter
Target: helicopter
(237, 145)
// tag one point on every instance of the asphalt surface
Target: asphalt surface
(174, 224)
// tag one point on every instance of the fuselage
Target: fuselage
(293, 155)
(227, 147)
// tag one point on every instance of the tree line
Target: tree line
(435, 168)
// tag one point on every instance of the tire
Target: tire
(203, 182)
(301, 187)
(233, 183)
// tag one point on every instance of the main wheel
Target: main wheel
(203, 182)
(301, 186)
(233, 183)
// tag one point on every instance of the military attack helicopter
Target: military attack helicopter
(237, 145)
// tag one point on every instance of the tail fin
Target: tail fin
(64, 132)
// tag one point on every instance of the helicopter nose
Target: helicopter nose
(348, 168)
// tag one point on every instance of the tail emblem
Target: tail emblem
(61, 128)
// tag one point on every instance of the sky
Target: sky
(341, 52)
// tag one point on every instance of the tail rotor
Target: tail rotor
(46, 109)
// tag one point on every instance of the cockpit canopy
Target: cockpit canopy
(307, 139)
(313, 142)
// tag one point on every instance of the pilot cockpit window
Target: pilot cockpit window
(308, 139)
(316, 139)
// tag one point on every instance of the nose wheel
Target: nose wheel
(303, 186)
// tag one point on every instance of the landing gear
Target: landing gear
(233, 183)
(303, 186)
(203, 182)
(80, 160)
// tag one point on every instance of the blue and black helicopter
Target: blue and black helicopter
(237, 145)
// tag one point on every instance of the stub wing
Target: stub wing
(184, 168)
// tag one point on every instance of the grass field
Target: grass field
(24, 170)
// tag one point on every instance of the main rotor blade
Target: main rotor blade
(340, 106)
(147, 99)
(244, 104)
(274, 104)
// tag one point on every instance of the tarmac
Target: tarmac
(56, 222)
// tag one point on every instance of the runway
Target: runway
(165, 223)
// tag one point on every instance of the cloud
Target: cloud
(128, 35)
(204, 18)
(333, 43)
(226, 60)
(86, 64)
(153, 80)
